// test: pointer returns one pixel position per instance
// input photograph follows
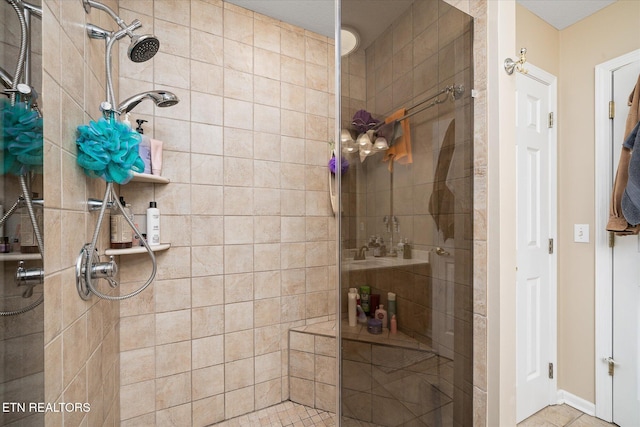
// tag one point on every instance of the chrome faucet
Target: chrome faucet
(360, 254)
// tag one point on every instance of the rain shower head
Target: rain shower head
(142, 48)
(160, 97)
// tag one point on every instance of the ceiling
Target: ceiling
(318, 15)
(563, 13)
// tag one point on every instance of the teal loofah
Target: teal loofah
(109, 150)
(21, 139)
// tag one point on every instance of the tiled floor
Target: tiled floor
(283, 415)
(561, 416)
(289, 414)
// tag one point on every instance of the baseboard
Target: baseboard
(576, 402)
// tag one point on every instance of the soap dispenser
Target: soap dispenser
(376, 247)
(407, 250)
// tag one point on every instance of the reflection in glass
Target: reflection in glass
(411, 204)
(21, 237)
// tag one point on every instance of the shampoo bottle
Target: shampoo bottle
(28, 240)
(391, 306)
(352, 309)
(365, 292)
(153, 224)
(120, 229)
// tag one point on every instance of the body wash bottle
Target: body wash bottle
(381, 315)
(153, 224)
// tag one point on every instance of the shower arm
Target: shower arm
(5, 78)
(110, 41)
(88, 4)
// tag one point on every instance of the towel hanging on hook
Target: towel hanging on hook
(617, 222)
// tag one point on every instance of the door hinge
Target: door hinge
(550, 246)
(550, 120)
(550, 371)
(612, 109)
(611, 363)
(612, 239)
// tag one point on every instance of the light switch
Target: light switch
(581, 233)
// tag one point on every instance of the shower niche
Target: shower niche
(417, 69)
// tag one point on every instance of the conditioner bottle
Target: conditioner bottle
(153, 224)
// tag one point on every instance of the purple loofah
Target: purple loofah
(343, 167)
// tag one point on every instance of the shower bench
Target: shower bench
(312, 359)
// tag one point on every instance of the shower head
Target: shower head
(143, 48)
(160, 97)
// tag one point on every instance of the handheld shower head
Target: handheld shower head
(160, 97)
(143, 48)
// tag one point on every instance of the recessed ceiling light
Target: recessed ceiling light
(349, 41)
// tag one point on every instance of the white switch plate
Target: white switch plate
(581, 233)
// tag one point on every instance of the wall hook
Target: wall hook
(510, 64)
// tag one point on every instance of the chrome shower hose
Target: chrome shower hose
(91, 249)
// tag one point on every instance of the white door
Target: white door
(535, 286)
(626, 280)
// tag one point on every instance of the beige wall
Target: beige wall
(572, 54)
(80, 337)
(541, 40)
(606, 35)
(247, 212)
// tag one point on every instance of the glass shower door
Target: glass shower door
(409, 211)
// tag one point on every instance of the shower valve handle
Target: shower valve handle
(105, 270)
(28, 276)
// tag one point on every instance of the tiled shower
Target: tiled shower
(253, 258)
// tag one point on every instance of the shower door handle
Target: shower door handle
(442, 252)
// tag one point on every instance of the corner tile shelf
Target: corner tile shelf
(145, 177)
(18, 256)
(137, 250)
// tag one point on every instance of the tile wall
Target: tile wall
(21, 350)
(312, 366)
(80, 337)
(247, 211)
(78, 89)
